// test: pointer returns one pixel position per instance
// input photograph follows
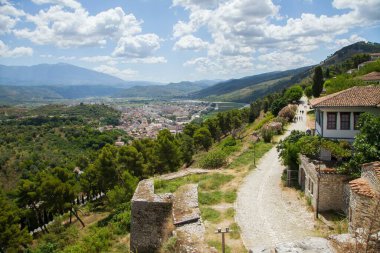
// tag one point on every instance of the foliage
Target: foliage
(213, 160)
(230, 196)
(294, 93)
(366, 144)
(246, 158)
(309, 91)
(187, 148)
(170, 245)
(288, 112)
(317, 86)
(203, 138)
(12, 237)
(277, 105)
(370, 67)
(267, 134)
(341, 82)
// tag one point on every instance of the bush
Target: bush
(288, 112)
(308, 91)
(267, 134)
(213, 160)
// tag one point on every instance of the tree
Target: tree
(366, 144)
(202, 138)
(167, 151)
(277, 105)
(131, 160)
(106, 165)
(308, 91)
(317, 82)
(214, 128)
(187, 148)
(12, 237)
(327, 73)
(293, 93)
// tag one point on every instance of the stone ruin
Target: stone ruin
(156, 217)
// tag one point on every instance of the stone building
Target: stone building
(364, 210)
(331, 185)
(156, 217)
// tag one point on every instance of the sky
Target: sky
(177, 40)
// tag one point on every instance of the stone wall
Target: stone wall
(331, 190)
(149, 216)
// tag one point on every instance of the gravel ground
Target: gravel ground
(267, 214)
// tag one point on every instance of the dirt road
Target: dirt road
(267, 214)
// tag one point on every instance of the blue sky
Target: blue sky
(175, 40)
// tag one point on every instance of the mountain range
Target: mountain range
(64, 81)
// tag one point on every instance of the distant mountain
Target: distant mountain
(60, 74)
(18, 94)
(345, 53)
(171, 90)
(249, 88)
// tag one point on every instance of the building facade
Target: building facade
(337, 115)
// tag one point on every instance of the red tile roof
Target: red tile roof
(373, 76)
(358, 96)
(362, 187)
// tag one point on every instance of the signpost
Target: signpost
(220, 231)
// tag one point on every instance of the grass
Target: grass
(230, 213)
(210, 214)
(206, 182)
(218, 246)
(246, 158)
(210, 198)
(235, 231)
(230, 196)
(266, 119)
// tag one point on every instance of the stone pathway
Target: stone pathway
(267, 214)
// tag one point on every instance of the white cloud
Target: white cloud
(124, 74)
(352, 39)
(68, 3)
(222, 65)
(5, 51)
(66, 58)
(76, 27)
(109, 60)
(279, 60)
(9, 16)
(138, 46)
(189, 42)
(239, 28)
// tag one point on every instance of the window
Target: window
(356, 120)
(345, 120)
(331, 120)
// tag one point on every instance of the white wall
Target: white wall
(344, 134)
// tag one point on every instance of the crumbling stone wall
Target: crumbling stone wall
(149, 214)
(331, 186)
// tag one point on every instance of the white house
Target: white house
(336, 115)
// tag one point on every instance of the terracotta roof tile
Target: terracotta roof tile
(373, 76)
(362, 187)
(363, 96)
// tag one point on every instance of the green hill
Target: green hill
(250, 88)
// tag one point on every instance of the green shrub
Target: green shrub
(267, 134)
(213, 160)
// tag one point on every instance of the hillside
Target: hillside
(348, 51)
(22, 94)
(249, 88)
(181, 89)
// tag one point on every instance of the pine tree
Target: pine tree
(317, 82)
